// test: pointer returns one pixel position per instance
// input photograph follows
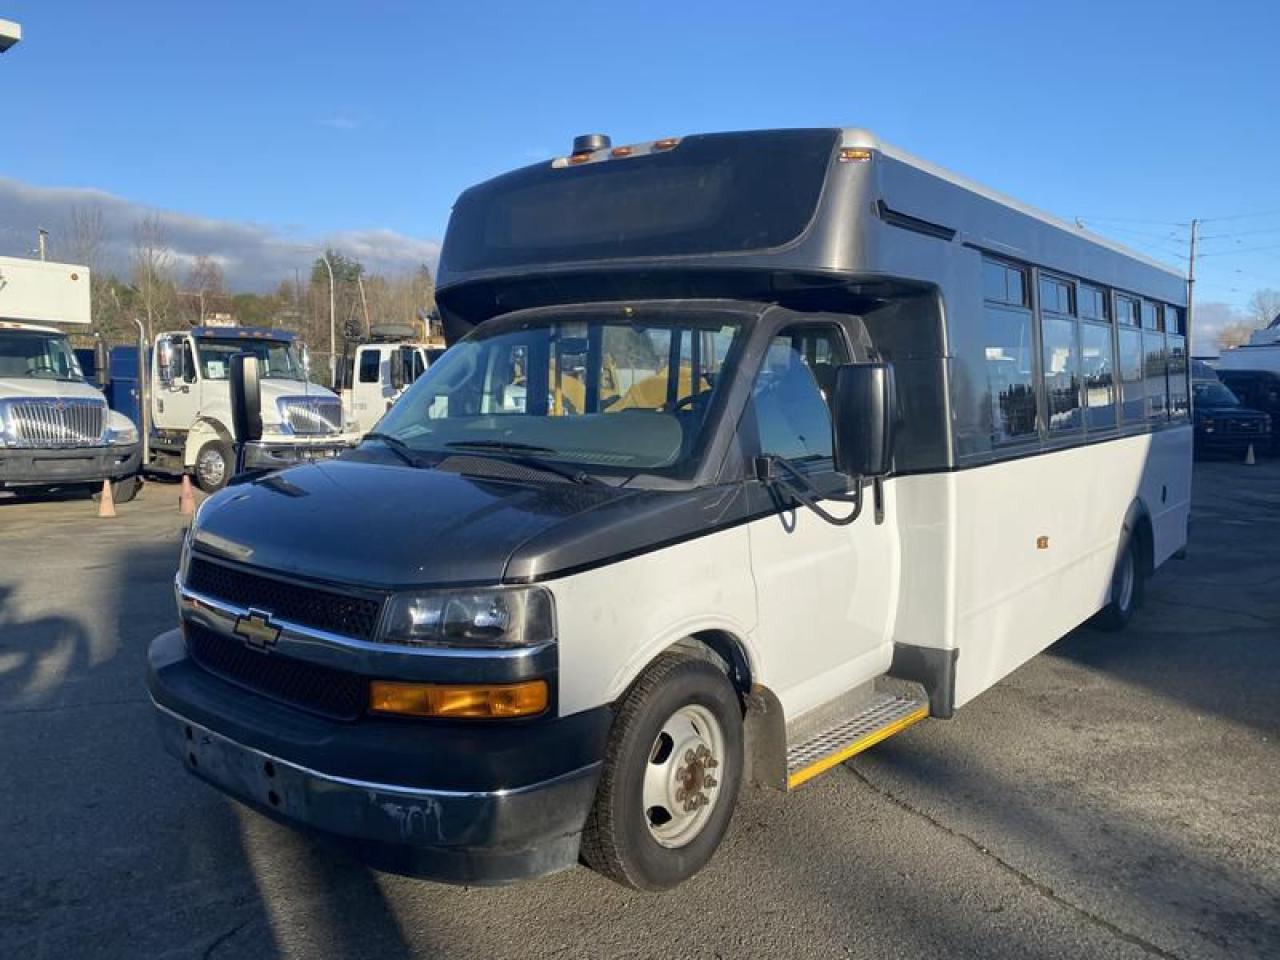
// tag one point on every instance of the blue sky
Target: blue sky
(315, 120)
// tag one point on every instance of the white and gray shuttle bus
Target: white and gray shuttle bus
(750, 450)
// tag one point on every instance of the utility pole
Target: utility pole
(364, 303)
(1191, 278)
(43, 242)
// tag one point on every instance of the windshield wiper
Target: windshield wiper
(398, 447)
(524, 454)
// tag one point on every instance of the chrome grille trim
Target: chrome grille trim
(312, 416)
(54, 421)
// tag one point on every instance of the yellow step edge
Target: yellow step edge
(806, 774)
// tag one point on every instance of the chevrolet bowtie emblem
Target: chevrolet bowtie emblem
(256, 629)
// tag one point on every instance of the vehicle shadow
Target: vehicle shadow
(109, 848)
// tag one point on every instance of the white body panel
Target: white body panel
(43, 291)
(827, 598)
(955, 564)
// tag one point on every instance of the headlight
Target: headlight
(502, 617)
(122, 436)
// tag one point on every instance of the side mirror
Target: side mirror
(165, 355)
(397, 369)
(246, 402)
(864, 415)
(101, 365)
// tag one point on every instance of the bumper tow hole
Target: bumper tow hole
(273, 798)
(269, 768)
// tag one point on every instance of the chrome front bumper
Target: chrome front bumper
(275, 454)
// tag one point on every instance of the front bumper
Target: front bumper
(273, 454)
(21, 466)
(450, 802)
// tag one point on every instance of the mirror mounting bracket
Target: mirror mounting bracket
(776, 471)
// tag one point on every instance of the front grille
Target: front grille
(312, 416)
(324, 690)
(306, 606)
(56, 422)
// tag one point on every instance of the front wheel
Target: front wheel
(213, 466)
(122, 491)
(671, 775)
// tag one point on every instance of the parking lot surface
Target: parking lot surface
(1118, 796)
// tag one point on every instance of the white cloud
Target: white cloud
(252, 256)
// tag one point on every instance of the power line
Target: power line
(1242, 233)
(1221, 253)
(1158, 223)
(1242, 216)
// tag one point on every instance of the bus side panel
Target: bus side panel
(926, 600)
(614, 619)
(1037, 539)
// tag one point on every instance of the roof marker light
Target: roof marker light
(666, 143)
(622, 151)
(854, 154)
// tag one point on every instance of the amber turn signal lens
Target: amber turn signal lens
(623, 151)
(854, 154)
(459, 701)
(666, 143)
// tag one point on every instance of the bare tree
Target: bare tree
(1234, 334)
(1263, 307)
(205, 288)
(85, 244)
(152, 271)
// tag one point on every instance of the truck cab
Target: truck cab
(375, 373)
(191, 403)
(56, 431)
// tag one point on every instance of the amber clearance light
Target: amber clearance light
(492, 701)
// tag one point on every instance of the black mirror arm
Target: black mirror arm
(799, 487)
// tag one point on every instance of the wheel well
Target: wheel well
(725, 651)
(1145, 542)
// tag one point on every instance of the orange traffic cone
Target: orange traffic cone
(187, 499)
(106, 503)
(1249, 461)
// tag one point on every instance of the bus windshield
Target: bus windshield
(623, 392)
(277, 359)
(37, 355)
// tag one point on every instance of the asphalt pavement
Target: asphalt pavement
(1119, 796)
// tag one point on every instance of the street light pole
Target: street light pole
(333, 340)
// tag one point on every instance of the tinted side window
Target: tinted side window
(1132, 398)
(1093, 303)
(1099, 364)
(1126, 310)
(370, 362)
(1179, 406)
(1010, 363)
(788, 415)
(1004, 283)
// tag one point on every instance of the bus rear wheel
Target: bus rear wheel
(1126, 589)
(671, 775)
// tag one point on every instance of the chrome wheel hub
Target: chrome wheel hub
(211, 467)
(683, 775)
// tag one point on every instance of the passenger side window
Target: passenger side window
(1010, 352)
(370, 362)
(188, 363)
(789, 414)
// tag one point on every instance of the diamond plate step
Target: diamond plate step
(881, 717)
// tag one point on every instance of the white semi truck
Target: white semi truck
(190, 405)
(373, 374)
(56, 431)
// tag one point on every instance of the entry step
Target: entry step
(881, 717)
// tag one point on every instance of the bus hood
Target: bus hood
(387, 526)
(24, 387)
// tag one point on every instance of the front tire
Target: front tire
(671, 775)
(1126, 589)
(213, 466)
(122, 491)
